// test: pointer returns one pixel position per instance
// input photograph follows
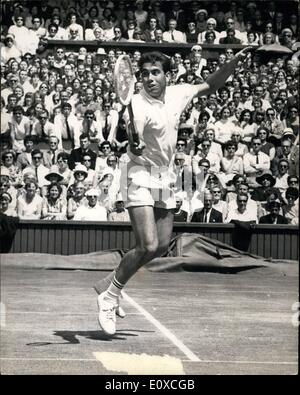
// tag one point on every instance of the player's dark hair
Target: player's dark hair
(155, 56)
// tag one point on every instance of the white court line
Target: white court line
(178, 343)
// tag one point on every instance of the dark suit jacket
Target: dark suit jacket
(215, 216)
(267, 219)
(181, 19)
(233, 40)
(77, 156)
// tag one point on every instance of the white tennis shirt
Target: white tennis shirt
(157, 123)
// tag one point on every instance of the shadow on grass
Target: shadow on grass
(71, 337)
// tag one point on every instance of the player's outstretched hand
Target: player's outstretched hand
(244, 53)
(137, 149)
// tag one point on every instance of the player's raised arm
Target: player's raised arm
(219, 77)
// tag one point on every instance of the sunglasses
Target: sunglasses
(242, 201)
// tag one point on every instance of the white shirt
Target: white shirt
(60, 127)
(157, 123)
(248, 215)
(178, 36)
(250, 160)
(88, 213)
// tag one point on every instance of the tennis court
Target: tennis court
(177, 323)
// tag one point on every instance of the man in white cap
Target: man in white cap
(93, 211)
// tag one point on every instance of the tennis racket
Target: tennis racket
(124, 85)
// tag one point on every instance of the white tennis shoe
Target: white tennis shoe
(107, 314)
(101, 286)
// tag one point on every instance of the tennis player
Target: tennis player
(150, 198)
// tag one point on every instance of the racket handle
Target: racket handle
(134, 134)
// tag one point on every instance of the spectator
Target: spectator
(54, 206)
(282, 175)
(178, 15)
(230, 38)
(78, 199)
(10, 49)
(266, 182)
(209, 38)
(266, 147)
(219, 204)
(242, 213)
(18, 127)
(255, 162)
(293, 181)
(291, 208)
(108, 119)
(38, 168)
(191, 33)
(120, 213)
(24, 159)
(211, 25)
(91, 174)
(231, 164)
(66, 125)
(76, 155)
(29, 205)
(208, 214)
(74, 27)
(286, 151)
(20, 33)
(173, 35)
(50, 156)
(6, 205)
(223, 127)
(9, 162)
(93, 211)
(44, 129)
(204, 153)
(274, 217)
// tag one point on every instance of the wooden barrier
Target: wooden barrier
(72, 237)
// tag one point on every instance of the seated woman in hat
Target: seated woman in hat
(79, 175)
(266, 182)
(29, 205)
(54, 206)
(54, 177)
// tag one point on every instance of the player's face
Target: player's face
(154, 79)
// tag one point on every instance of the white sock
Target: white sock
(114, 290)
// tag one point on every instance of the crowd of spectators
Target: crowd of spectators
(63, 134)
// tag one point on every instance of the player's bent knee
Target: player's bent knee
(148, 250)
